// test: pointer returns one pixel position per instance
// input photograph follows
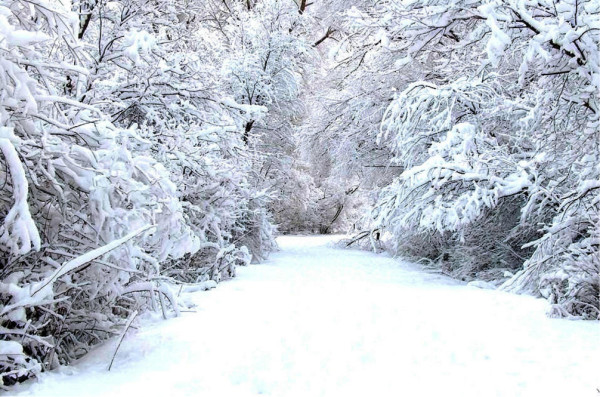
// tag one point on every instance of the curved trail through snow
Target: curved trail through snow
(316, 320)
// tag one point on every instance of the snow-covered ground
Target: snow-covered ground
(320, 321)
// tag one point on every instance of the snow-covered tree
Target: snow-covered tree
(81, 200)
(269, 62)
(124, 168)
(507, 116)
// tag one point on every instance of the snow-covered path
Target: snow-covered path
(320, 321)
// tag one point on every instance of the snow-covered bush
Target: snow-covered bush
(476, 122)
(508, 115)
(172, 83)
(123, 163)
(74, 183)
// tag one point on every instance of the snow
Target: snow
(137, 43)
(9, 347)
(18, 231)
(318, 320)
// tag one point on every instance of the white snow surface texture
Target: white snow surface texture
(316, 320)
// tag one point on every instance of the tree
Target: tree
(509, 117)
(112, 123)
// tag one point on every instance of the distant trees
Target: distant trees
(269, 61)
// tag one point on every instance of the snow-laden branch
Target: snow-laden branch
(84, 259)
(18, 231)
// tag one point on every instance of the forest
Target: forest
(149, 146)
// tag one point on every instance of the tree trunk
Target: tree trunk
(302, 6)
(246, 137)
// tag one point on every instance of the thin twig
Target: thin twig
(132, 316)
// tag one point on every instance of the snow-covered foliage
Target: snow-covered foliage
(497, 138)
(125, 169)
(470, 128)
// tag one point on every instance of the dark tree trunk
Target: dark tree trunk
(302, 6)
(246, 137)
